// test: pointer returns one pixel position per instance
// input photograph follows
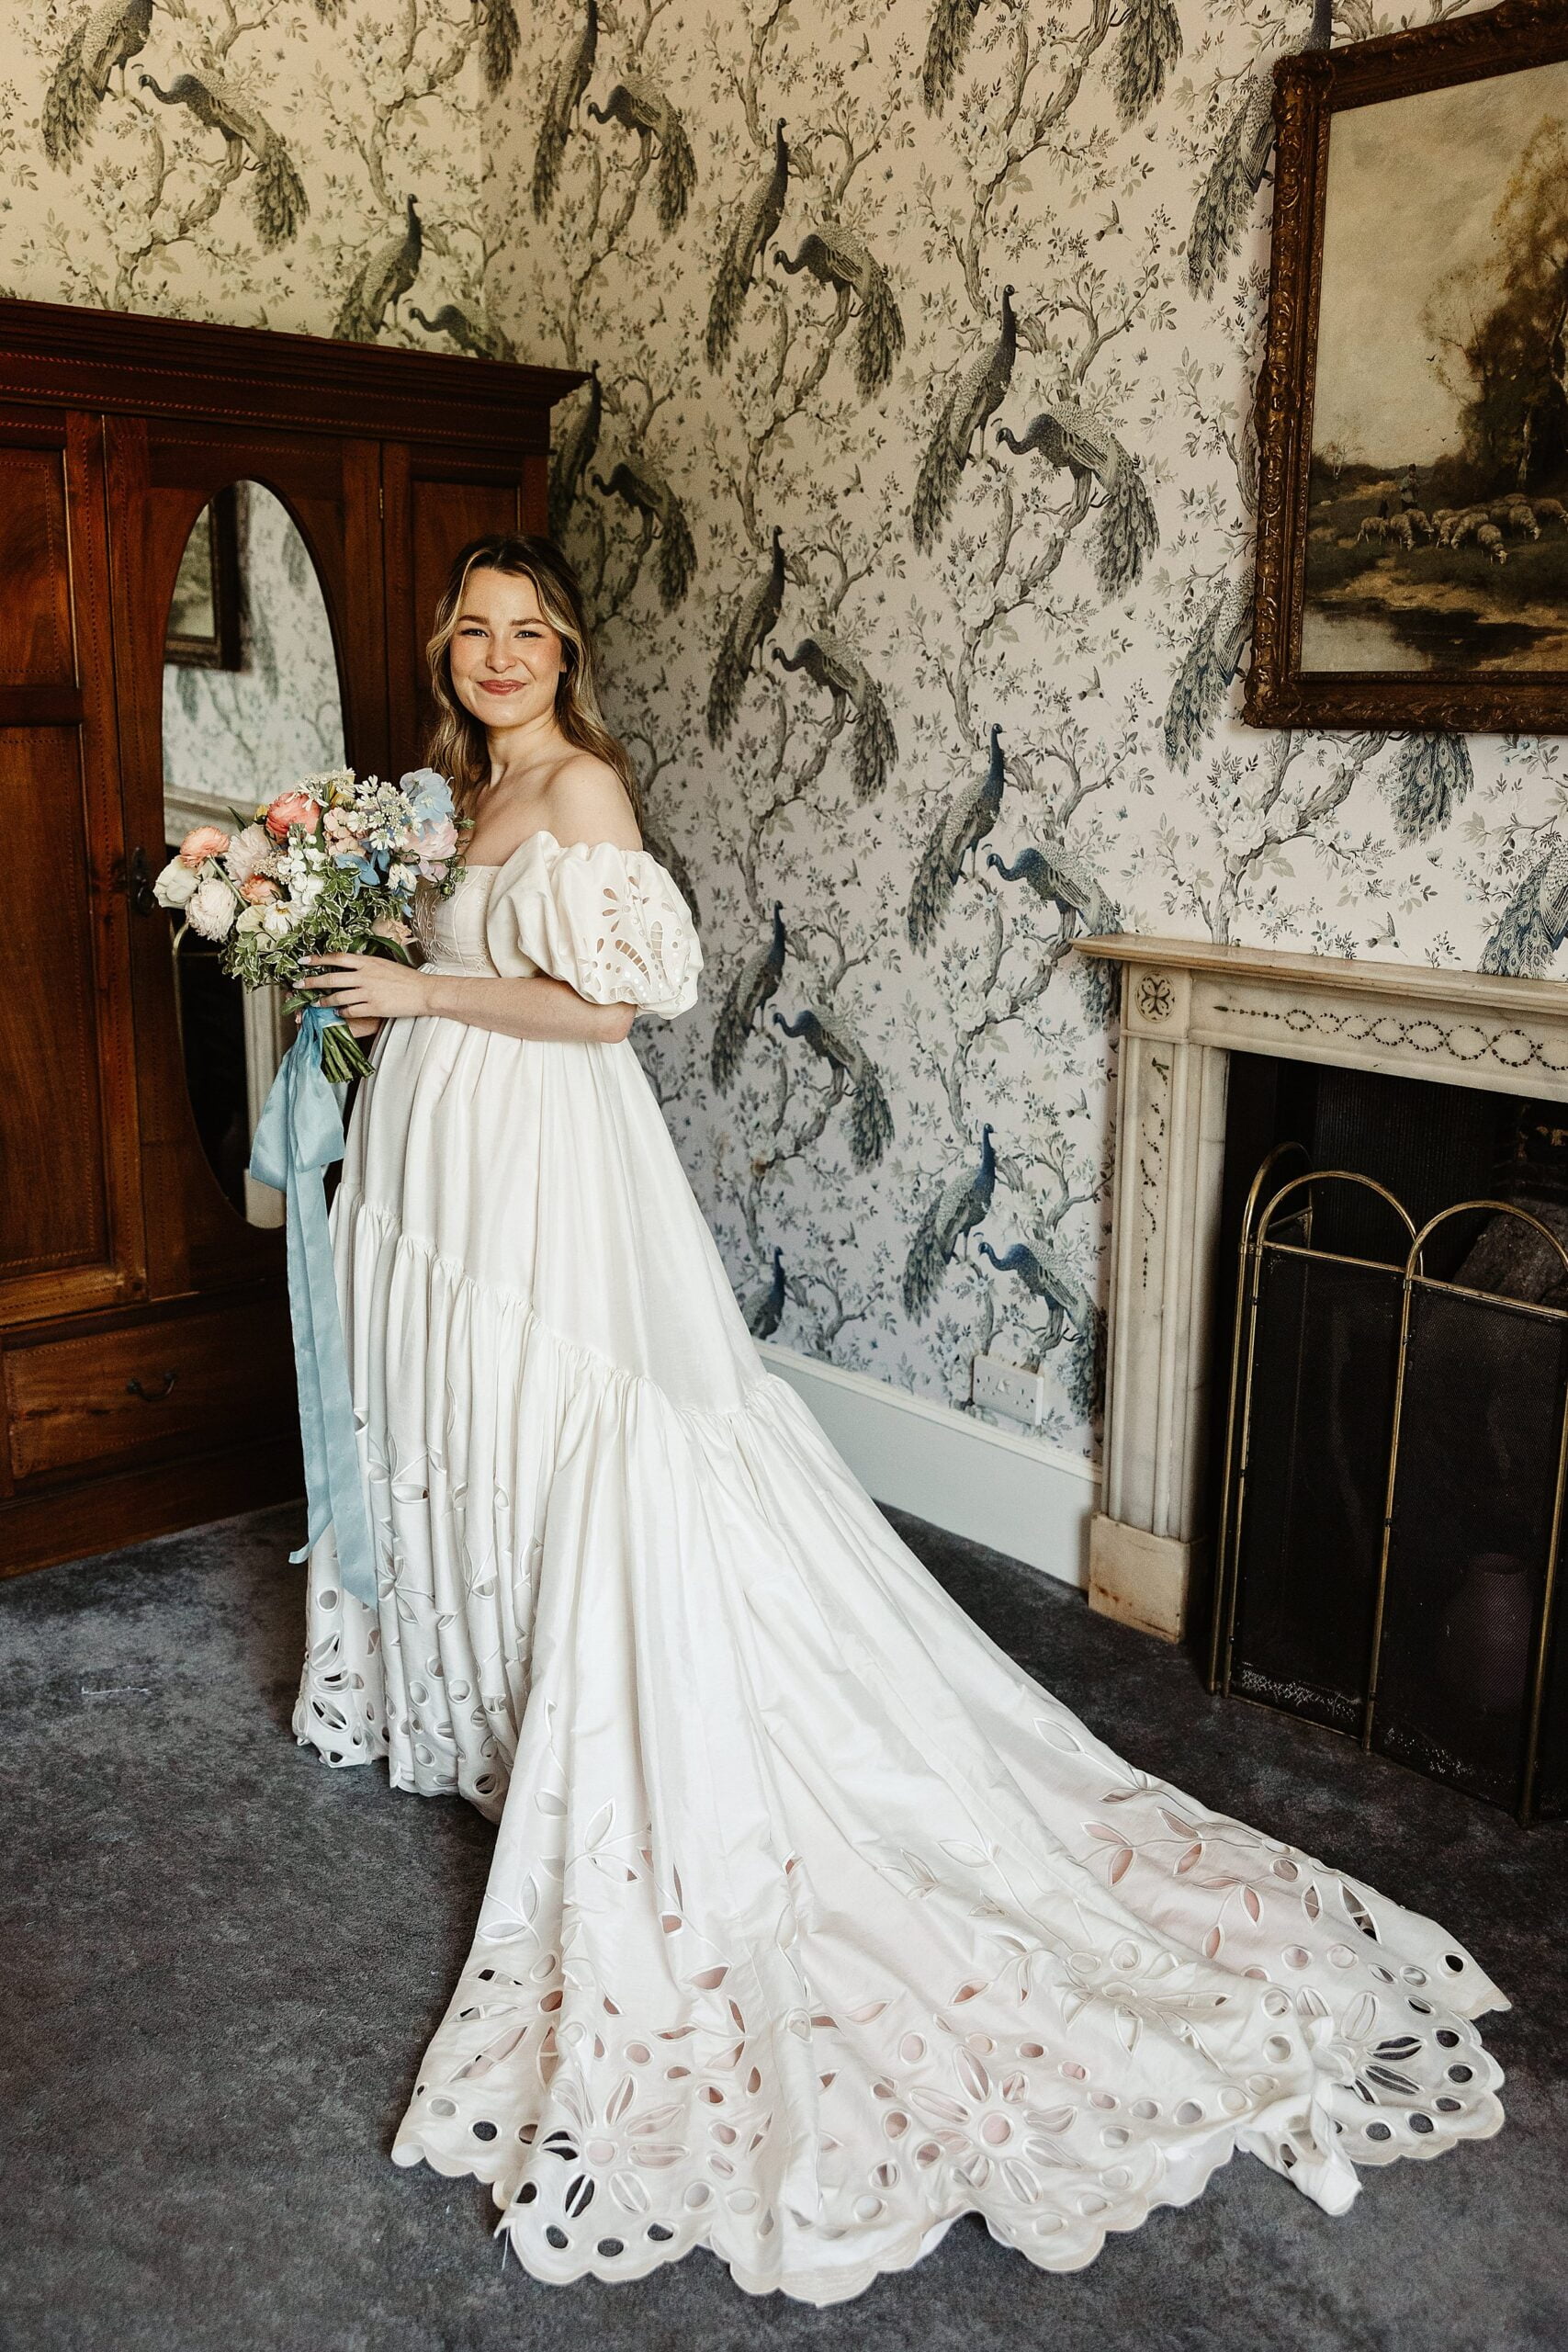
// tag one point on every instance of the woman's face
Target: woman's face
(506, 659)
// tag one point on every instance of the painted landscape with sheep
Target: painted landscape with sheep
(1438, 574)
(1437, 493)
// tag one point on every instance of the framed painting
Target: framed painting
(204, 611)
(1412, 568)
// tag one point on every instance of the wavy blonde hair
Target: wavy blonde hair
(458, 746)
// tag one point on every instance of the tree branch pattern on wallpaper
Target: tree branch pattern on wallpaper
(912, 485)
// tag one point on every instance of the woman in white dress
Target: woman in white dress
(813, 1921)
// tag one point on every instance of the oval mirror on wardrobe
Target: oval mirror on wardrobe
(251, 703)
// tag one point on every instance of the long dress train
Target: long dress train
(813, 1921)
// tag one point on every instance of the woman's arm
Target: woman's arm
(371, 987)
(539, 1007)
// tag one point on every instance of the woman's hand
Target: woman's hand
(366, 989)
(355, 1028)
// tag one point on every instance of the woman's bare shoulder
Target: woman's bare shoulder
(586, 802)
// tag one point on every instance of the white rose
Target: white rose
(210, 908)
(251, 851)
(175, 884)
(276, 920)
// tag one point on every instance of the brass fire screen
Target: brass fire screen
(1393, 1509)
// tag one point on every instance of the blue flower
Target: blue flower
(430, 796)
(371, 874)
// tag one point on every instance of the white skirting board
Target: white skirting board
(1020, 1495)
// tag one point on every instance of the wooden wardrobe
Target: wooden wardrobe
(146, 1370)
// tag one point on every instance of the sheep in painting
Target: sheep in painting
(1490, 538)
(1513, 515)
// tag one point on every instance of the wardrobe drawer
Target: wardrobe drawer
(207, 1378)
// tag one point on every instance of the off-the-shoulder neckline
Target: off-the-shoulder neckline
(543, 833)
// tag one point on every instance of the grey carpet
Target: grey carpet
(221, 1962)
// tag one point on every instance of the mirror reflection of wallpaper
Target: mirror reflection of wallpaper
(234, 737)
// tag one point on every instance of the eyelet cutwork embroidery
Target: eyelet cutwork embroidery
(814, 1922)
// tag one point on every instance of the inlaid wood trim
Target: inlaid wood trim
(251, 376)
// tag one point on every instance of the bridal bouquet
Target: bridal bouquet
(329, 866)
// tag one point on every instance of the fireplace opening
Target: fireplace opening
(1391, 1438)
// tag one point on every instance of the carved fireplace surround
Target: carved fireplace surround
(1186, 1006)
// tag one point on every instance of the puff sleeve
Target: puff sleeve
(609, 922)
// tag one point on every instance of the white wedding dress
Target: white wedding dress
(813, 1921)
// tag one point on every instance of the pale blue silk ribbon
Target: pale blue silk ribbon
(299, 1135)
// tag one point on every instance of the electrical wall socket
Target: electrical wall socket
(1008, 1389)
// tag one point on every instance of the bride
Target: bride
(814, 1922)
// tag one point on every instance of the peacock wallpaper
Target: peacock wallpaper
(912, 488)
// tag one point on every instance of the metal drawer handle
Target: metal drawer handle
(150, 1396)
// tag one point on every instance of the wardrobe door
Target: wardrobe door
(70, 1222)
(436, 500)
(165, 474)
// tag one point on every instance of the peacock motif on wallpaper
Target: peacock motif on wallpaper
(1211, 663)
(853, 1071)
(637, 105)
(755, 221)
(500, 38)
(1045, 1279)
(640, 486)
(956, 835)
(103, 44)
(1534, 923)
(751, 624)
(1063, 878)
(383, 279)
(1071, 439)
(836, 257)
(572, 76)
(279, 203)
(947, 47)
(1236, 173)
(857, 700)
(763, 1308)
(973, 401)
(480, 338)
(757, 979)
(1149, 45)
(963, 1203)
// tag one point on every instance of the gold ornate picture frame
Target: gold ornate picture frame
(1412, 564)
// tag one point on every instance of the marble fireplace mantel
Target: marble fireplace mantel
(1186, 1006)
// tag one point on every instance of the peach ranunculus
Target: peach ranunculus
(392, 927)
(206, 840)
(292, 808)
(257, 889)
(438, 845)
(252, 852)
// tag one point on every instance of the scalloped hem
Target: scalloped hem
(1057, 2250)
